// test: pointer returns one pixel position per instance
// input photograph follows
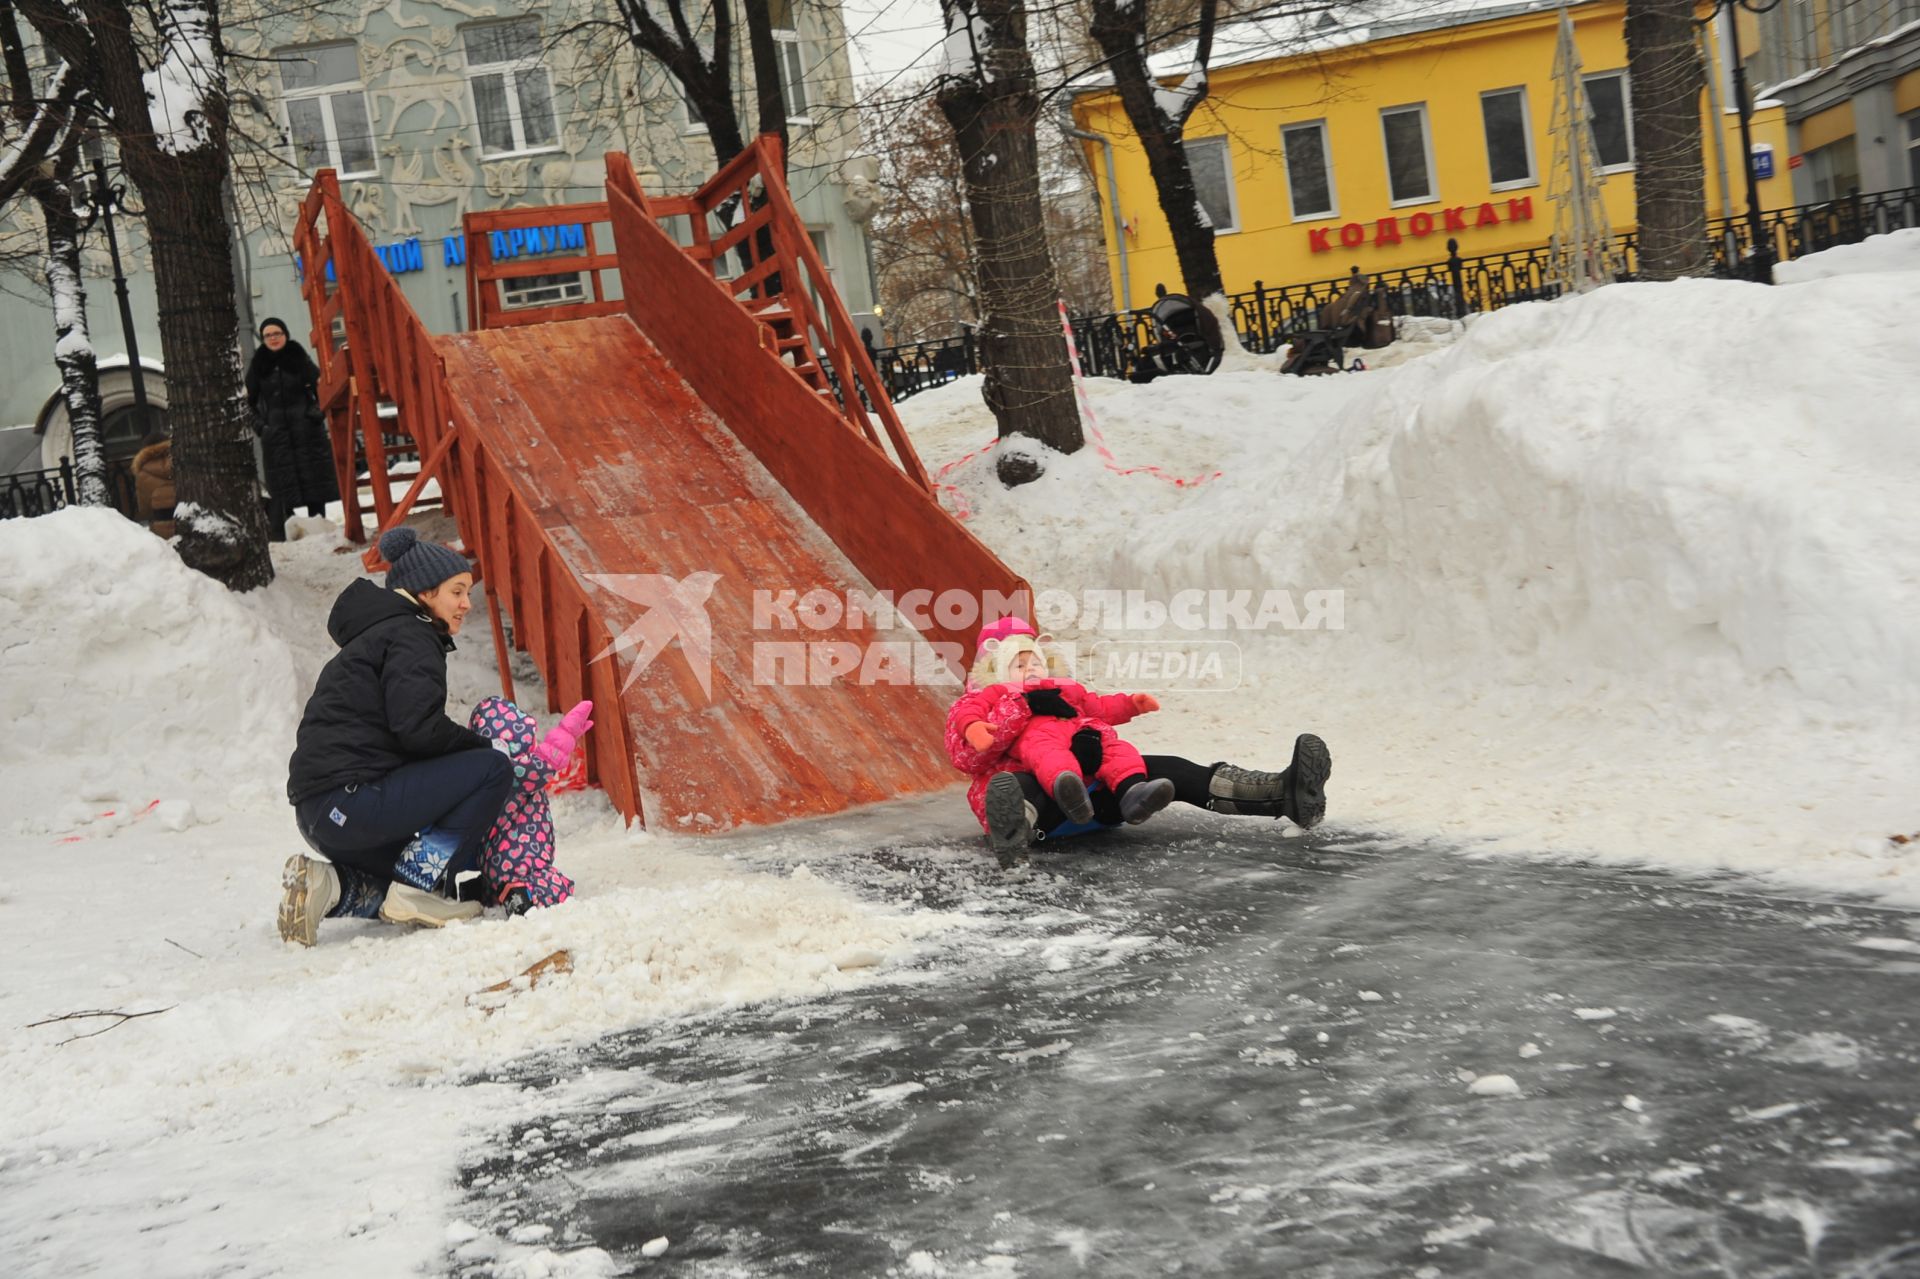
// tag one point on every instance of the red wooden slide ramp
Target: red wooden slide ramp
(653, 474)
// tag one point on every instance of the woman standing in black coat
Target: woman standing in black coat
(283, 389)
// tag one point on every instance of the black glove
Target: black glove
(1048, 701)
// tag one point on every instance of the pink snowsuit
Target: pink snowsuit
(519, 847)
(1045, 746)
(1003, 709)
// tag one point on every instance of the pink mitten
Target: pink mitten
(556, 748)
(1144, 702)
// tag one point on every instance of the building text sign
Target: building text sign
(1418, 226)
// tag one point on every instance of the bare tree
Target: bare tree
(987, 92)
(1159, 118)
(1670, 178)
(696, 48)
(923, 252)
(48, 181)
(164, 90)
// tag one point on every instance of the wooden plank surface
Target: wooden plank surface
(619, 468)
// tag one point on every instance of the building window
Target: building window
(1806, 36)
(512, 96)
(1409, 154)
(793, 60)
(542, 290)
(1309, 170)
(1509, 138)
(1913, 150)
(1834, 170)
(1212, 167)
(1610, 102)
(327, 110)
(691, 121)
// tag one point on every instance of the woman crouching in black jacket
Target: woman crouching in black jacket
(394, 794)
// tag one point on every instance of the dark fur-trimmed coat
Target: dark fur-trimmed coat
(283, 391)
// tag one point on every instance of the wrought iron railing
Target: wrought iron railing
(30, 493)
(1266, 318)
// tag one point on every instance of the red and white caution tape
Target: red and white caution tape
(1093, 423)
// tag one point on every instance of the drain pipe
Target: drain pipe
(1068, 127)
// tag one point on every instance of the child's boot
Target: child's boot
(1142, 799)
(1071, 794)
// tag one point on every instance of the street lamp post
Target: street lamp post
(1761, 262)
(103, 198)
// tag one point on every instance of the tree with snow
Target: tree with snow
(1159, 117)
(49, 182)
(158, 73)
(986, 91)
(1670, 170)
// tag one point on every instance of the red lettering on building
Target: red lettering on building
(1386, 231)
(1520, 209)
(1352, 235)
(1420, 224)
(1317, 240)
(1456, 218)
(1489, 216)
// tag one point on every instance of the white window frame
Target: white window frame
(1626, 113)
(571, 288)
(688, 122)
(326, 93)
(1326, 159)
(508, 72)
(1426, 141)
(792, 52)
(1233, 194)
(1912, 122)
(1526, 140)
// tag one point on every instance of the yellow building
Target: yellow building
(1335, 146)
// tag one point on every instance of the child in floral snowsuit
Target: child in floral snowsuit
(516, 862)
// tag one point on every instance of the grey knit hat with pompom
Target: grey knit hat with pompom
(418, 566)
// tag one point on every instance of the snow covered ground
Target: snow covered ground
(1633, 577)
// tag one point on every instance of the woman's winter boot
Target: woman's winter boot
(406, 904)
(311, 890)
(1298, 792)
(1010, 821)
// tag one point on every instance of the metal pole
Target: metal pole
(105, 197)
(1762, 251)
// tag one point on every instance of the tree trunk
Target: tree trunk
(1120, 30)
(992, 113)
(1670, 182)
(73, 352)
(772, 102)
(223, 529)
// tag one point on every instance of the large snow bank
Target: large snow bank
(129, 675)
(1633, 575)
(1877, 254)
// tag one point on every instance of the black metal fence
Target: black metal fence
(1267, 318)
(40, 492)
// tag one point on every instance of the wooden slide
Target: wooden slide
(673, 486)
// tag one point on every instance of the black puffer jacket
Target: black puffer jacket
(382, 701)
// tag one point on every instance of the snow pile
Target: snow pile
(1877, 254)
(1633, 575)
(129, 676)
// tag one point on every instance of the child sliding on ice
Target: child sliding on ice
(1066, 714)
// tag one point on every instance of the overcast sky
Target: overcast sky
(892, 36)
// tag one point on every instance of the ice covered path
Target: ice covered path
(1221, 1052)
